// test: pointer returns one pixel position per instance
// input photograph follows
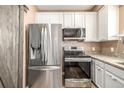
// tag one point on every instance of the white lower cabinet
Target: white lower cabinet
(112, 81)
(107, 76)
(99, 76)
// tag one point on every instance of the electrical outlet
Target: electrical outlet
(82, 48)
(93, 49)
(112, 49)
(123, 52)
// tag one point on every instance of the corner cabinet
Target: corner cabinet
(108, 23)
(91, 26)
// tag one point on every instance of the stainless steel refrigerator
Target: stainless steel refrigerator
(44, 56)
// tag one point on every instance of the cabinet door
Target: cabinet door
(108, 18)
(79, 20)
(113, 22)
(91, 26)
(99, 76)
(102, 23)
(42, 18)
(68, 20)
(56, 18)
(49, 18)
(111, 81)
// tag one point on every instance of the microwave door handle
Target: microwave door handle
(81, 33)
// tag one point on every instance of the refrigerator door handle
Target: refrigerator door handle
(42, 47)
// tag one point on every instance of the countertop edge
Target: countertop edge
(110, 63)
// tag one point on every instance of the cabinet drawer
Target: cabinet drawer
(116, 71)
(99, 63)
(111, 81)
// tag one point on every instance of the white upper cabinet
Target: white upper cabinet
(79, 20)
(91, 26)
(56, 18)
(49, 17)
(108, 22)
(68, 19)
(113, 22)
(102, 19)
(42, 17)
(87, 20)
(74, 20)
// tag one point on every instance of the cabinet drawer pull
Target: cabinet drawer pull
(109, 75)
(98, 68)
(114, 79)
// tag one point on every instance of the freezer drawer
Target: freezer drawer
(45, 77)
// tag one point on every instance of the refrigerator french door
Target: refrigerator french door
(44, 60)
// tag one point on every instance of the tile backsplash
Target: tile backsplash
(89, 47)
(109, 48)
(112, 48)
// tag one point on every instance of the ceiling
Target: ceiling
(64, 7)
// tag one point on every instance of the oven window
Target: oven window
(73, 70)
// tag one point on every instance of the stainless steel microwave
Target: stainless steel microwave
(74, 34)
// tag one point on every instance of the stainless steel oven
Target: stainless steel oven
(76, 67)
(74, 34)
